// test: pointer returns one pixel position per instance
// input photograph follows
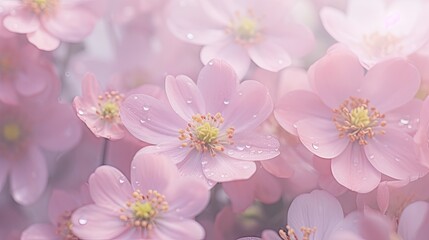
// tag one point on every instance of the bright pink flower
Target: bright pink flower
(61, 206)
(240, 31)
(47, 22)
(100, 111)
(208, 128)
(158, 204)
(24, 71)
(26, 129)
(379, 30)
(352, 119)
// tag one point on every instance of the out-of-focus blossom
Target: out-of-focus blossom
(379, 30)
(422, 135)
(207, 129)
(414, 221)
(240, 31)
(47, 22)
(351, 119)
(61, 207)
(100, 111)
(25, 130)
(158, 204)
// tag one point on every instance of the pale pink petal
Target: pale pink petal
(316, 209)
(22, 21)
(336, 77)
(406, 117)
(185, 201)
(337, 25)
(109, 187)
(279, 166)
(414, 221)
(33, 80)
(248, 107)
(28, 177)
(326, 180)
(70, 24)
(217, 82)
(269, 55)
(383, 197)
(178, 229)
(353, 170)
(188, 21)
(173, 151)
(395, 77)
(232, 53)
(43, 40)
(269, 235)
(253, 147)
(150, 120)
(90, 88)
(152, 172)
(321, 137)
(95, 222)
(40, 232)
(184, 96)
(60, 202)
(394, 155)
(223, 168)
(60, 131)
(298, 105)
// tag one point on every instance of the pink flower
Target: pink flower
(414, 221)
(379, 30)
(352, 119)
(61, 206)
(28, 129)
(208, 128)
(46, 22)
(158, 204)
(24, 71)
(240, 31)
(422, 135)
(100, 111)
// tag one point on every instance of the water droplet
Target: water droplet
(268, 137)
(404, 121)
(230, 152)
(240, 94)
(240, 147)
(121, 179)
(190, 36)
(135, 97)
(371, 156)
(82, 221)
(315, 146)
(142, 121)
(133, 167)
(80, 112)
(204, 162)
(189, 101)
(223, 175)
(146, 107)
(254, 116)
(226, 101)
(211, 63)
(247, 146)
(137, 183)
(259, 151)
(148, 119)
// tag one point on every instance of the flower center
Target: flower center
(11, 132)
(203, 134)
(6, 64)
(355, 119)
(41, 6)
(290, 234)
(377, 44)
(108, 106)
(64, 227)
(245, 28)
(143, 209)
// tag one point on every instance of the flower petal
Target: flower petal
(98, 223)
(179, 229)
(253, 147)
(414, 221)
(29, 177)
(222, 168)
(353, 170)
(217, 82)
(22, 21)
(109, 188)
(393, 154)
(270, 56)
(321, 137)
(40, 232)
(173, 151)
(184, 96)
(150, 120)
(43, 40)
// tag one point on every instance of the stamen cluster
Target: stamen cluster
(108, 105)
(245, 28)
(42, 6)
(290, 234)
(64, 227)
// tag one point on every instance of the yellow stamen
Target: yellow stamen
(11, 132)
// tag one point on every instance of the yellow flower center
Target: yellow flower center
(203, 134)
(377, 44)
(245, 28)
(108, 106)
(289, 233)
(42, 6)
(11, 132)
(143, 209)
(355, 119)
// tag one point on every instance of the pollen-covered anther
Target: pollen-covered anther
(205, 135)
(64, 227)
(143, 209)
(108, 105)
(42, 6)
(357, 120)
(290, 234)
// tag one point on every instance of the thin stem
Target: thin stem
(105, 148)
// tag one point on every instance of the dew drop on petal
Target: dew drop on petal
(404, 121)
(240, 147)
(315, 146)
(259, 151)
(211, 63)
(121, 179)
(80, 112)
(190, 36)
(146, 107)
(189, 101)
(135, 97)
(142, 121)
(82, 221)
(230, 152)
(226, 102)
(254, 115)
